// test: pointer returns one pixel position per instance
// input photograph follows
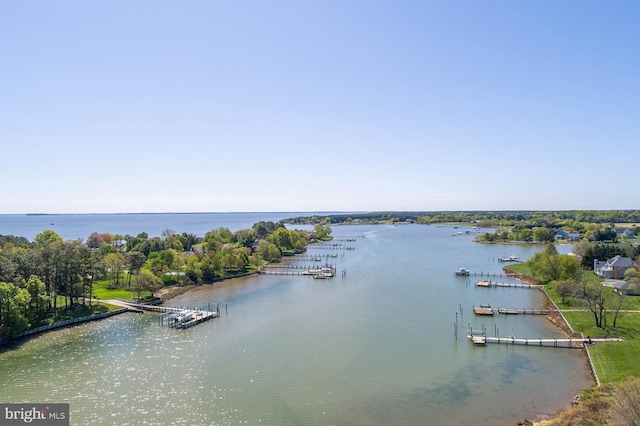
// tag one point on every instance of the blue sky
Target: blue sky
(157, 106)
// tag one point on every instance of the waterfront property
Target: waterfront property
(292, 353)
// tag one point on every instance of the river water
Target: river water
(375, 347)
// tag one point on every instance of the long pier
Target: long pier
(338, 247)
(289, 266)
(318, 272)
(498, 284)
(313, 258)
(483, 339)
(264, 272)
(488, 310)
(487, 274)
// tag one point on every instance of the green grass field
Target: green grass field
(614, 361)
(102, 291)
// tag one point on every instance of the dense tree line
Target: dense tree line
(35, 277)
(596, 225)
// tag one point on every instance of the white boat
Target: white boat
(324, 272)
(463, 272)
(512, 258)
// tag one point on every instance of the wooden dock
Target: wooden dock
(488, 310)
(179, 318)
(483, 339)
(186, 318)
(483, 310)
(509, 311)
(264, 272)
(490, 283)
(488, 274)
(319, 272)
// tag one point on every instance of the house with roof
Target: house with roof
(566, 235)
(612, 268)
(623, 287)
(625, 233)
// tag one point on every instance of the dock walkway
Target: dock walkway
(179, 318)
(482, 339)
(488, 310)
(490, 283)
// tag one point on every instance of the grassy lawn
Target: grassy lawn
(615, 361)
(521, 268)
(102, 291)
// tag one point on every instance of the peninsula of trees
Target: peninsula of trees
(39, 280)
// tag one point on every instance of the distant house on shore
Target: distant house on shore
(625, 233)
(566, 235)
(612, 268)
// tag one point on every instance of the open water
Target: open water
(80, 226)
(376, 347)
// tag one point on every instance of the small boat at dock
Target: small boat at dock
(462, 272)
(512, 258)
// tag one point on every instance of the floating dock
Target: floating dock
(483, 310)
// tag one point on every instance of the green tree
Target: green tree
(594, 296)
(551, 266)
(45, 244)
(13, 304)
(135, 260)
(115, 266)
(38, 300)
(193, 269)
(67, 266)
(321, 231)
(222, 235)
(543, 234)
(268, 251)
(600, 252)
(605, 234)
(148, 281)
(47, 238)
(525, 235)
(244, 237)
(565, 288)
(282, 239)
